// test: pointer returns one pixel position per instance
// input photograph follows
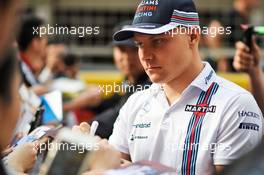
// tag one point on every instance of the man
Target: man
(126, 60)
(10, 108)
(239, 14)
(190, 118)
(32, 50)
(9, 14)
(37, 58)
(249, 61)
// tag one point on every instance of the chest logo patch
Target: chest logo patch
(200, 109)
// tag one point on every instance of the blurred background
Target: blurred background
(95, 51)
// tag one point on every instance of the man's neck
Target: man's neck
(175, 87)
(134, 78)
(32, 57)
(131, 79)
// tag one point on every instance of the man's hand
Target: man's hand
(23, 157)
(247, 60)
(106, 157)
(103, 159)
(90, 97)
(53, 52)
(9, 148)
(39, 89)
(94, 172)
(83, 128)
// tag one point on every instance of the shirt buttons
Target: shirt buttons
(166, 123)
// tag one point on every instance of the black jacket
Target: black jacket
(107, 118)
(2, 169)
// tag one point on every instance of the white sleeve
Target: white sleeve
(45, 75)
(240, 130)
(118, 139)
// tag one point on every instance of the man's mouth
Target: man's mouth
(153, 67)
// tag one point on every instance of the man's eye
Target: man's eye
(157, 42)
(138, 44)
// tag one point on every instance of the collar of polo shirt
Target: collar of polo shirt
(203, 81)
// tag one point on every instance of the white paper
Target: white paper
(68, 85)
(54, 99)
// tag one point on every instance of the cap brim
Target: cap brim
(127, 42)
(151, 29)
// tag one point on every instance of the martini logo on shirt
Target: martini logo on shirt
(200, 109)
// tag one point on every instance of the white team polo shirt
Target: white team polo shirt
(213, 123)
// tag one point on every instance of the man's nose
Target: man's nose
(145, 54)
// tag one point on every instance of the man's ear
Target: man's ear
(194, 36)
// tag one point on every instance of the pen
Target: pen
(94, 127)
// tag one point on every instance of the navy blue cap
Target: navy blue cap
(160, 16)
(126, 42)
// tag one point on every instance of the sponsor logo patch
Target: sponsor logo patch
(138, 137)
(248, 114)
(249, 126)
(200, 109)
(142, 125)
(208, 77)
